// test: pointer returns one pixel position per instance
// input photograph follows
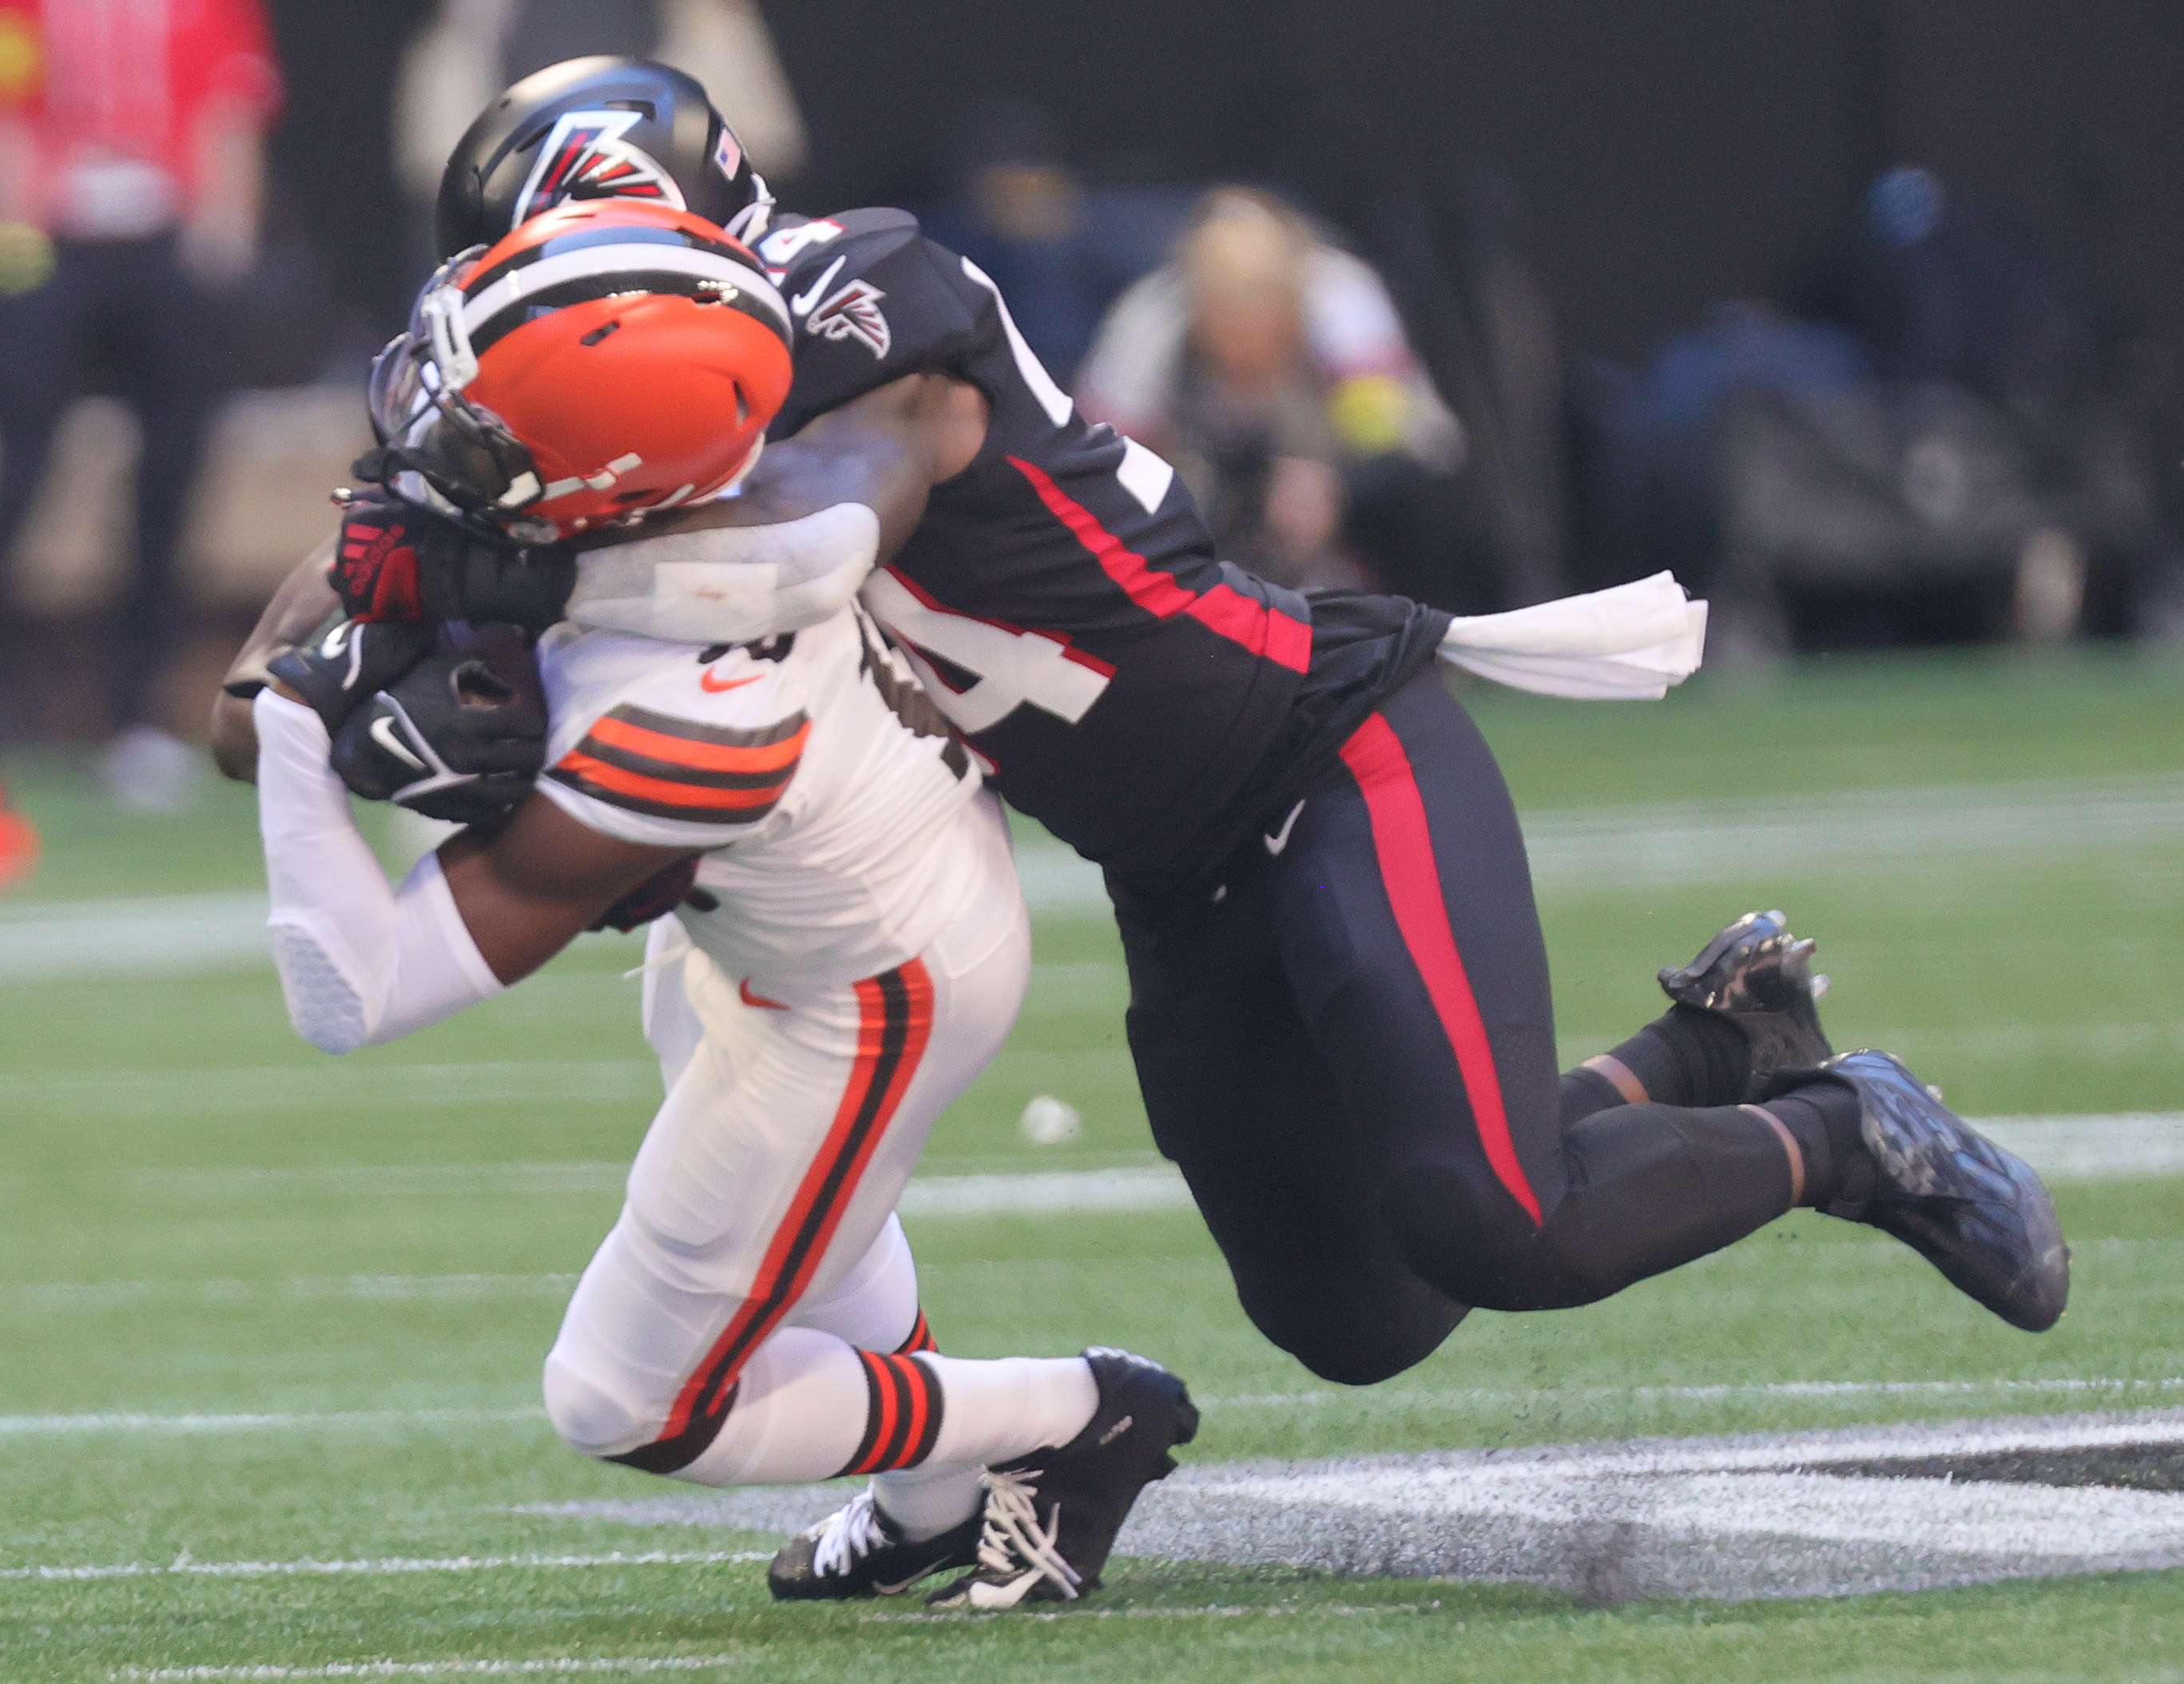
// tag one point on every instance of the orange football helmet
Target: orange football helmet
(608, 358)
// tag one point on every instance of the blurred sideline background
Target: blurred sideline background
(1863, 314)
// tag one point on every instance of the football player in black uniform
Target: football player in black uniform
(1340, 1006)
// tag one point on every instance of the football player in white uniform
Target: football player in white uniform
(850, 949)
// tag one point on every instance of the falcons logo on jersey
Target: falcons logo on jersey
(853, 313)
(585, 157)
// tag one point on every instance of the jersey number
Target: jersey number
(1013, 668)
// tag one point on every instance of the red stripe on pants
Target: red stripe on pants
(800, 1242)
(1404, 847)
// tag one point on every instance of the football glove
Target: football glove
(450, 739)
(351, 662)
(394, 561)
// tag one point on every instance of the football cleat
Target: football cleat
(857, 1551)
(1051, 1517)
(1759, 977)
(1976, 1212)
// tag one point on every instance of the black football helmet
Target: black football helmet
(597, 128)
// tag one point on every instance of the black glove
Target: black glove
(451, 738)
(351, 662)
(394, 561)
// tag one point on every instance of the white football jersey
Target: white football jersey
(825, 786)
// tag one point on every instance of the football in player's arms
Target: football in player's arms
(848, 950)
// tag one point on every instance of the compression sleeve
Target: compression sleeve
(360, 961)
(728, 584)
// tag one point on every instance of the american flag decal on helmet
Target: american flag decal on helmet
(585, 157)
(728, 156)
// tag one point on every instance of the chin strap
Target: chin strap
(360, 961)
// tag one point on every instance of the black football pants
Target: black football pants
(126, 305)
(1349, 1050)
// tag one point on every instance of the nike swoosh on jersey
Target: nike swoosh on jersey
(705, 682)
(802, 303)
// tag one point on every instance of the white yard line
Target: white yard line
(1823, 1511)
(1846, 832)
(1758, 1515)
(1842, 1391)
(386, 1567)
(270, 1421)
(1337, 1610)
(66, 1295)
(2065, 1148)
(170, 935)
(227, 1091)
(1817, 1390)
(557, 1667)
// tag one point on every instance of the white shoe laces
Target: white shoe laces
(1011, 1543)
(848, 1535)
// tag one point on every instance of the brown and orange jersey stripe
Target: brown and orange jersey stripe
(666, 768)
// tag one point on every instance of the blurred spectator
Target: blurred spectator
(1273, 369)
(130, 173)
(1935, 448)
(1060, 249)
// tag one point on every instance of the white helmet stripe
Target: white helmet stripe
(606, 261)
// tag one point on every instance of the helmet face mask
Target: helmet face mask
(424, 423)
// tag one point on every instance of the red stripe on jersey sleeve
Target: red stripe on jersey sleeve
(678, 798)
(701, 756)
(1224, 610)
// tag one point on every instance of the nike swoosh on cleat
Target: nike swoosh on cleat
(705, 682)
(900, 1585)
(1115, 1431)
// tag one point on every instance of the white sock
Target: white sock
(926, 1501)
(998, 1411)
(803, 1406)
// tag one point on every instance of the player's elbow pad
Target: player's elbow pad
(360, 963)
(347, 988)
(729, 584)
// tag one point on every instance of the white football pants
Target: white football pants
(743, 1322)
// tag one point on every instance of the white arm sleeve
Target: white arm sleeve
(360, 961)
(728, 584)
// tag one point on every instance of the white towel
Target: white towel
(1628, 643)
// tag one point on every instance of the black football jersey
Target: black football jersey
(1062, 598)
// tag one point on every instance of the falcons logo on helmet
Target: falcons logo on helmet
(585, 157)
(853, 313)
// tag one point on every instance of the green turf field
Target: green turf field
(202, 1218)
